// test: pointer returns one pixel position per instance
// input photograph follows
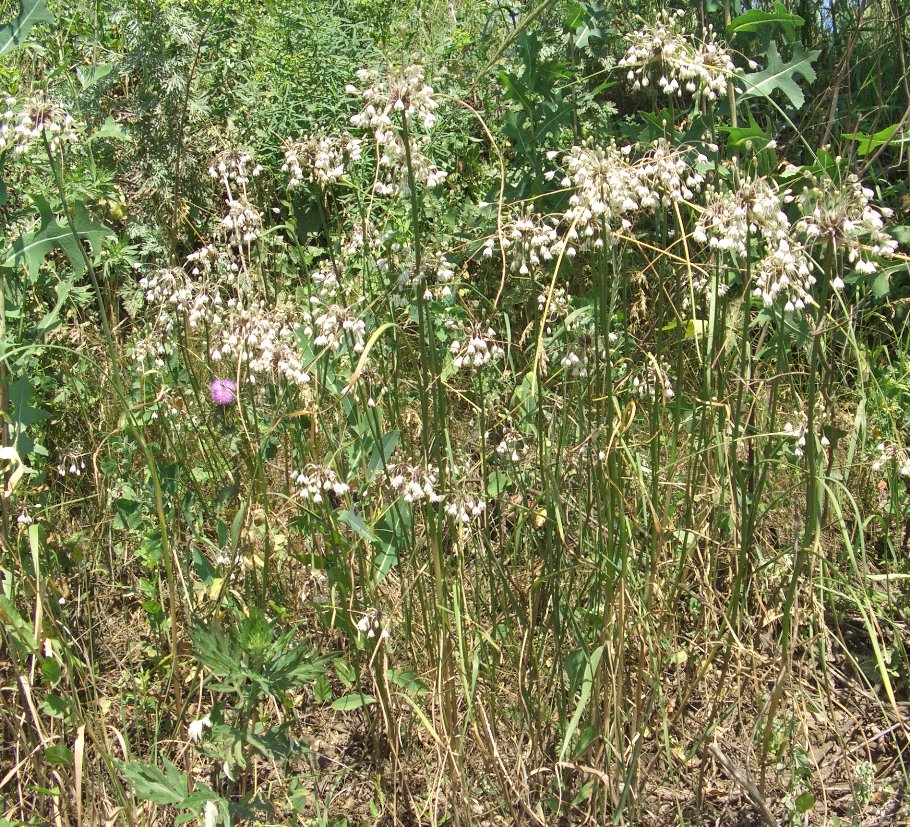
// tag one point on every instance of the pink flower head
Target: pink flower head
(224, 391)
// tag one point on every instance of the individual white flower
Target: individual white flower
(210, 816)
(196, 728)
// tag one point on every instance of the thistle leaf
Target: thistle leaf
(780, 76)
(13, 33)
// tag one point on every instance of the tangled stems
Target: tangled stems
(135, 428)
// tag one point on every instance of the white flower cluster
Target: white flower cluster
(21, 129)
(373, 625)
(730, 218)
(785, 273)
(243, 223)
(211, 261)
(234, 168)
(435, 278)
(316, 480)
(886, 453)
(335, 326)
(479, 349)
(667, 171)
(654, 381)
(264, 339)
(663, 49)
(177, 296)
(398, 105)
(415, 484)
(325, 283)
(463, 508)
(842, 215)
(73, 464)
(511, 446)
(575, 364)
(797, 433)
(560, 303)
(607, 187)
(319, 159)
(526, 241)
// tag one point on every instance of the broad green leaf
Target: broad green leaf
(31, 248)
(51, 671)
(110, 129)
(498, 482)
(755, 19)
(13, 33)
(347, 703)
(780, 76)
(55, 707)
(19, 629)
(322, 689)
(805, 802)
(353, 520)
(882, 285)
(90, 75)
(345, 672)
(383, 452)
(869, 143)
(151, 784)
(407, 680)
(23, 414)
(58, 754)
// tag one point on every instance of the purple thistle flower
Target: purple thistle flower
(224, 391)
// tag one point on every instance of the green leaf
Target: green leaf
(22, 412)
(868, 143)
(111, 129)
(498, 482)
(805, 802)
(383, 452)
(55, 707)
(19, 629)
(31, 248)
(361, 529)
(755, 19)
(51, 671)
(407, 680)
(151, 784)
(347, 703)
(322, 689)
(584, 696)
(780, 76)
(345, 672)
(14, 32)
(58, 754)
(90, 75)
(882, 285)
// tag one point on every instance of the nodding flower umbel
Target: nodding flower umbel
(702, 68)
(24, 128)
(319, 159)
(399, 104)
